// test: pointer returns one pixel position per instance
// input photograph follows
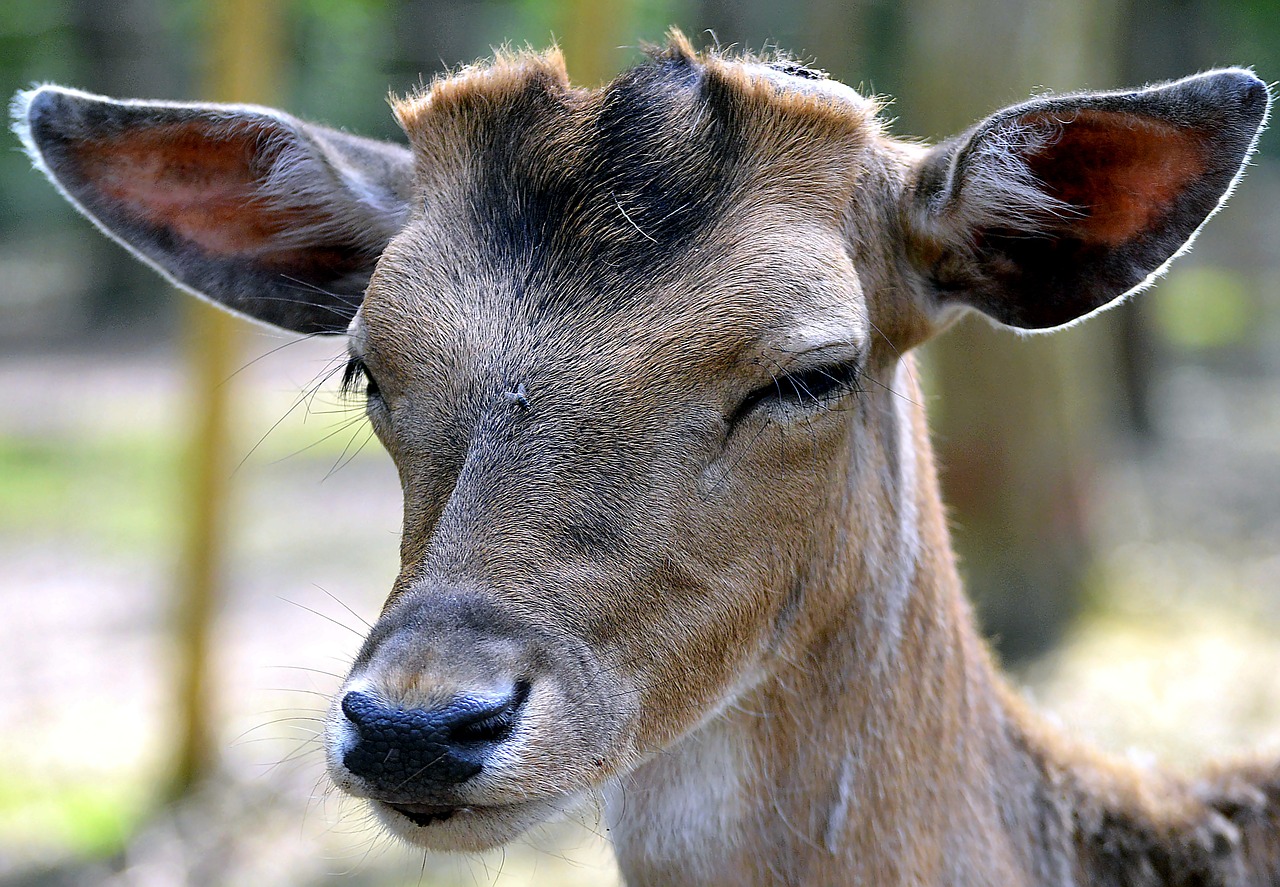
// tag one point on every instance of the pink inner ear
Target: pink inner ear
(203, 185)
(1124, 170)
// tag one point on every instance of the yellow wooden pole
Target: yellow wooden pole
(590, 36)
(243, 68)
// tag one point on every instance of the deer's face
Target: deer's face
(620, 437)
(636, 355)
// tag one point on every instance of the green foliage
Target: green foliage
(1203, 307)
(1249, 34)
(340, 73)
(35, 45)
(113, 489)
(123, 490)
(88, 817)
(650, 21)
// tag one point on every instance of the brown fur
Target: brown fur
(735, 605)
(855, 758)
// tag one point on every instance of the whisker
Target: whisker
(323, 377)
(323, 616)
(305, 668)
(344, 459)
(366, 623)
(303, 337)
(342, 427)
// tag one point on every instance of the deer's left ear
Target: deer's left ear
(1058, 207)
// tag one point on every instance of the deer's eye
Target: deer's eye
(813, 387)
(353, 374)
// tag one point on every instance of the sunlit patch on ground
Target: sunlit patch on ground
(1182, 687)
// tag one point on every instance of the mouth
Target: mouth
(467, 827)
(423, 815)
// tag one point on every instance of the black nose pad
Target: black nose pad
(409, 751)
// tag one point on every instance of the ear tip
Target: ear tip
(24, 103)
(27, 109)
(1256, 95)
(39, 99)
(1238, 89)
(33, 111)
(1245, 84)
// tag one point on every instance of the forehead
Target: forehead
(687, 184)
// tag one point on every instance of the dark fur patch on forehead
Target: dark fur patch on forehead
(650, 167)
(578, 194)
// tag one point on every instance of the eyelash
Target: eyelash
(809, 387)
(355, 371)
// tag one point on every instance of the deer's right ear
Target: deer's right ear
(273, 218)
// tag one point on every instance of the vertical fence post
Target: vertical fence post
(242, 68)
(590, 29)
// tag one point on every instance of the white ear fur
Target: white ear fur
(992, 186)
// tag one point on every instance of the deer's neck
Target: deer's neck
(868, 754)
(884, 748)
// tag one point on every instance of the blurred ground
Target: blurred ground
(1180, 650)
(1178, 655)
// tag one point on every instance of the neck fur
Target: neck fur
(885, 748)
(868, 728)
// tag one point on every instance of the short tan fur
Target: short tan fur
(672, 529)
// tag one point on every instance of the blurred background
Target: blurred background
(194, 527)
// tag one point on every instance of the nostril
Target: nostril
(363, 710)
(490, 721)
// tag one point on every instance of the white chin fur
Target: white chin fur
(473, 829)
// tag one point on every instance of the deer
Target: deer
(672, 534)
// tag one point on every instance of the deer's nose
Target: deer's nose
(403, 752)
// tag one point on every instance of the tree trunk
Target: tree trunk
(1161, 40)
(1016, 441)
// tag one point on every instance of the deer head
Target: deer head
(638, 355)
